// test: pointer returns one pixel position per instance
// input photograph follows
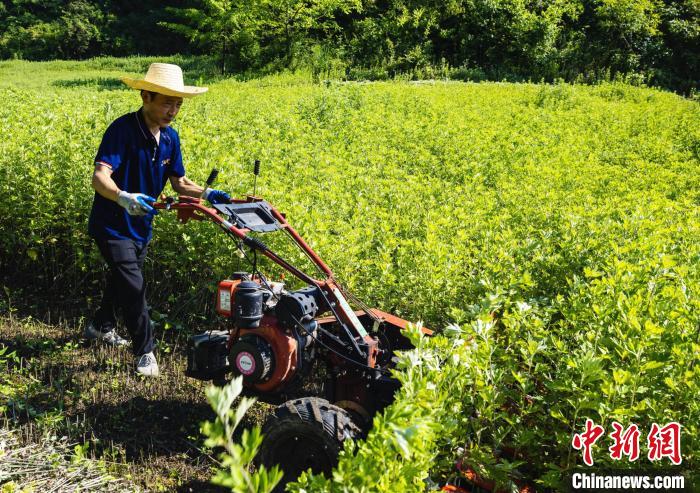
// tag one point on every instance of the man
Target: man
(138, 153)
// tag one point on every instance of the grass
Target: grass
(104, 73)
(147, 430)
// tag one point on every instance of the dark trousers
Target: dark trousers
(126, 291)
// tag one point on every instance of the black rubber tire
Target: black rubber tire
(303, 433)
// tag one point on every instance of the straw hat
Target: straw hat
(164, 78)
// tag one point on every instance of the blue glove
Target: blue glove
(136, 204)
(216, 196)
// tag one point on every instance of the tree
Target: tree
(214, 25)
(626, 33)
(79, 30)
(680, 27)
(134, 27)
(293, 21)
(504, 37)
(50, 29)
(257, 31)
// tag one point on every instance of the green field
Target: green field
(554, 228)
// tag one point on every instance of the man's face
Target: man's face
(160, 109)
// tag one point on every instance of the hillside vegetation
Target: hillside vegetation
(656, 41)
(555, 226)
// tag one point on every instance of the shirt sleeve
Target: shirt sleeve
(112, 150)
(176, 167)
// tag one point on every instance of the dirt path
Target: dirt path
(146, 430)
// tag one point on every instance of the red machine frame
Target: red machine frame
(191, 208)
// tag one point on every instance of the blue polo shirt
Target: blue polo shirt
(139, 165)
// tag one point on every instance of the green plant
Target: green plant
(556, 225)
(237, 458)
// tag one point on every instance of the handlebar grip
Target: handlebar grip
(212, 177)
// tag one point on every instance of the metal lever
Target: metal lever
(212, 177)
(256, 172)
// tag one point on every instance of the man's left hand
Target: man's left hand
(216, 196)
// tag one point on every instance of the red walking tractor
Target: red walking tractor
(279, 339)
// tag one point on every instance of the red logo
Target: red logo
(587, 439)
(626, 442)
(665, 442)
(662, 441)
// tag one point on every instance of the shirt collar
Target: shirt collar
(141, 124)
(143, 128)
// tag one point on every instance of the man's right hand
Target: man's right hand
(216, 196)
(136, 204)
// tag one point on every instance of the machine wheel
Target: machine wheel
(303, 433)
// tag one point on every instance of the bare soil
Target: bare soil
(145, 430)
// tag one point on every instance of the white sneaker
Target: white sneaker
(147, 365)
(110, 338)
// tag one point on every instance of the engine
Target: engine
(271, 342)
(254, 358)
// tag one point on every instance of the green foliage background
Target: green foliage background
(653, 41)
(568, 213)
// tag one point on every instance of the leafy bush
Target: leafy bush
(523, 383)
(556, 225)
(374, 74)
(651, 40)
(237, 458)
